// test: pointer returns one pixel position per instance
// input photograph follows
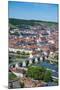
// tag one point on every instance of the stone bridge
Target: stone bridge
(28, 61)
(31, 60)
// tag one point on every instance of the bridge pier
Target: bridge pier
(46, 58)
(41, 58)
(30, 61)
(23, 64)
(36, 60)
(17, 66)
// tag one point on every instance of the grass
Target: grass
(12, 76)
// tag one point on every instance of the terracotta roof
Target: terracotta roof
(45, 48)
(43, 39)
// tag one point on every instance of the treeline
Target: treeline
(21, 22)
(18, 22)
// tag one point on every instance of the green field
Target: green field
(12, 76)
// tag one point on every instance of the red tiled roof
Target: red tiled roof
(45, 48)
(43, 38)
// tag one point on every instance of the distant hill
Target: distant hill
(18, 22)
(12, 25)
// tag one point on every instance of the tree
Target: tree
(47, 76)
(56, 56)
(39, 73)
(27, 53)
(10, 59)
(36, 72)
(16, 33)
(18, 52)
(23, 53)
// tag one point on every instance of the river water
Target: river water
(49, 66)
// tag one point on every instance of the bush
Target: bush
(12, 76)
(39, 73)
(36, 72)
(47, 76)
(18, 52)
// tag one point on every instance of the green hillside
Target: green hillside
(19, 22)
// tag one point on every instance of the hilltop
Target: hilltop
(13, 22)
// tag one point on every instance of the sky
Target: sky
(35, 11)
